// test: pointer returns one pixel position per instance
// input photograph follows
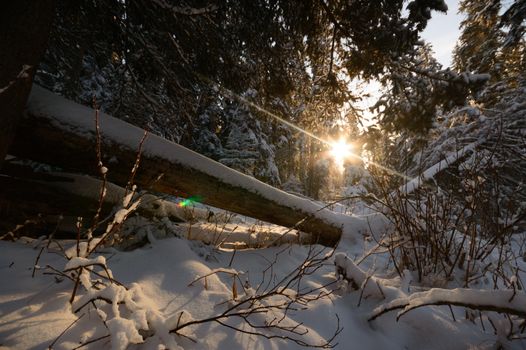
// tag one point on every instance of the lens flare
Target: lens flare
(189, 201)
(341, 151)
(229, 93)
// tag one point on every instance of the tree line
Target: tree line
(192, 72)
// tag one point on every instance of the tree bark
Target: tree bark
(26, 194)
(59, 132)
(24, 30)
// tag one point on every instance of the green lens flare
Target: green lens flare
(190, 200)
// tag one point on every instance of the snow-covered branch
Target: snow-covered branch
(502, 301)
(24, 74)
(415, 183)
(370, 286)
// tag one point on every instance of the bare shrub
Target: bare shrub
(262, 310)
(463, 229)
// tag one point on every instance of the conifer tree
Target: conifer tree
(490, 42)
(176, 68)
(477, 49)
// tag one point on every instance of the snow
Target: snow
(124, 332)
(77, 262)
(173, 281)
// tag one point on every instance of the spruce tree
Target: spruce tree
(478, 47)
(175, 68)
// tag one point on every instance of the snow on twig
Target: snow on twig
(24, 74)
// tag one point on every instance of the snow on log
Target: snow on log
(505, 301)
(60, 132)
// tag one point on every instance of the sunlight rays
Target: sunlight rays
(348, 149)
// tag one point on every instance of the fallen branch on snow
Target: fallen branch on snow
(502, 301)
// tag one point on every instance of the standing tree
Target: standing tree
(24, 29)
(484, 45)
(478, 47)
(175, 69)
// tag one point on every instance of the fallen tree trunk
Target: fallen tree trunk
(60, 132)
(50, 209)
(26, 194)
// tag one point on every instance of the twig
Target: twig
(64, 331)
(36, 262)
(91, 341)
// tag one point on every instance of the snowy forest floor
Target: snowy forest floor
(172, 280)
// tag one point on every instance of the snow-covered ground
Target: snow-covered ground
(162, 288)
(252, 285)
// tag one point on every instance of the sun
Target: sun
(340, 151)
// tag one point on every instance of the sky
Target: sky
(442, 32)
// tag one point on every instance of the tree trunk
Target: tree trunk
(61, 132)
(26, 194)
(24, 30)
